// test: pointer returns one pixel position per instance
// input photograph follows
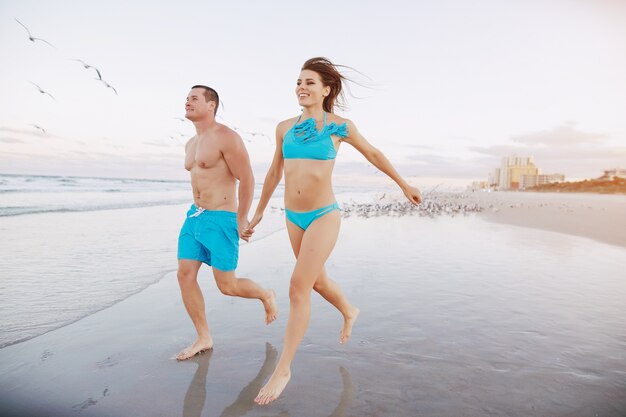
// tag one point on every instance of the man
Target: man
(216, 158)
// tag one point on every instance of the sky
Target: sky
(444, 88)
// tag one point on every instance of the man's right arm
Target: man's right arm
(188, 145)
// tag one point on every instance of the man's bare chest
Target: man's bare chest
(206, 154)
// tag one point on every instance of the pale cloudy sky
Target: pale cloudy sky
(453, 85)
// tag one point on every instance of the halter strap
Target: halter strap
(300, 117)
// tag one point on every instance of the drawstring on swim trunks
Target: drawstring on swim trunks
(198, 212)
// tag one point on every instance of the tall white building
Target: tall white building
(511, 170)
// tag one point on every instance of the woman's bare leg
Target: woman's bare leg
(328, 288)
(331, 291)
(317, 243)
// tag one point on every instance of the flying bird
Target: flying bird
(180, 118)
(106, 84)
(42, 91)
(87, 66)
(31, 37)
(40, 128)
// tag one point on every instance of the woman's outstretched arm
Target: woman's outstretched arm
(380, 161)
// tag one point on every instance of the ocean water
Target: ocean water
(72, 246)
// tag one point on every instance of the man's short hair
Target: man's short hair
(210, 95)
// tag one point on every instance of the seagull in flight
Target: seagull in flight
(107, 85)
(31, 37)
(87, 66)
(40, 128)
(42, 91)
(180, 118)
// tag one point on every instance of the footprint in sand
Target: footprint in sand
(107, 363)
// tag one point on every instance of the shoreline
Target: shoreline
(600, 217)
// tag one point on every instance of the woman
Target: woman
(306, 147)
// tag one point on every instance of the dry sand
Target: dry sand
(599, 217)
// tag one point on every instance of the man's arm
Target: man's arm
(238, 161)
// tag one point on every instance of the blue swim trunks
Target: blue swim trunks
(210, 236)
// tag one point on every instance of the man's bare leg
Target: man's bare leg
(229, 284)
(328, 289)
(317, 243)
(194, 304)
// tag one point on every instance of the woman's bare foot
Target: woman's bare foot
(271, 309)
(348, 322)
(274, 387)
(198, 346)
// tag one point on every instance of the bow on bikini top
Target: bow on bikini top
(303, 141)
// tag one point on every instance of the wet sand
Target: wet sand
(460, 316)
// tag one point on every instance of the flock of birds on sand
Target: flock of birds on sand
(433, 204)
(83, 63)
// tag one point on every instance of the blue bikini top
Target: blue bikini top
(303, 141)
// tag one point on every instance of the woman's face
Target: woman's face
(310, 90)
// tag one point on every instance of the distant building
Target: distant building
(512, 169)
(494, 179)
(527, 181)
(611, 174)
(478, 186)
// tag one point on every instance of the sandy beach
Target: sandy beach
(462, 315)
(595, 216)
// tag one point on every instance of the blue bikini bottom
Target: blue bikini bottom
(304, 219)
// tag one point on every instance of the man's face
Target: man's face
(196, 106)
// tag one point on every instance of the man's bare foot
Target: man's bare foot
(198, 346)
(348, 322)
(273, 388)
(271, 309)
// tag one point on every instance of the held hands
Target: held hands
(242, 227)
(247, 231)
(413, 194)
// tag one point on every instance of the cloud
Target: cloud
(563, 149)
(561, 136)
(11, 130)
(113, 166)
(11, 140)
(570, 153)
(425, 165)
(159, 144)
(32, 131)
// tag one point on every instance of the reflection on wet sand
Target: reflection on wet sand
(245, 399)
(196, 393)
(347, 394)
